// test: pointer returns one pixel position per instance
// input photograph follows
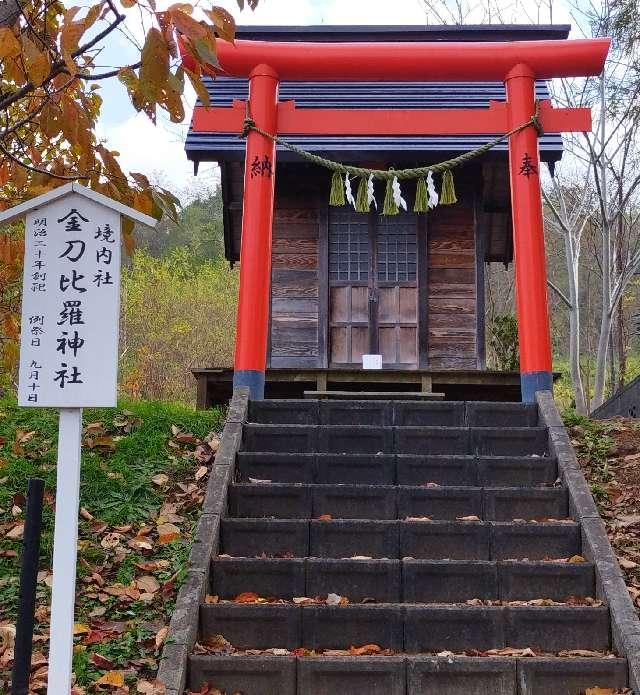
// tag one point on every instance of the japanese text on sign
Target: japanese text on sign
(70, 308)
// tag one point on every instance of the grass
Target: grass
(124, 448)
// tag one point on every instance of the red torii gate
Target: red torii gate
(518, 64)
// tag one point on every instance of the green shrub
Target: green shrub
(177, 313)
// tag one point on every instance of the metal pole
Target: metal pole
(255, 253)
(528, 239)
(28, 584)
(65, 551)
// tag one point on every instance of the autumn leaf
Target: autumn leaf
(101, 661)
(366, 650)
(223, 22)
(111, 678)
(160, 479)
(9, 44)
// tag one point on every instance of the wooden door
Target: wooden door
(373, 288)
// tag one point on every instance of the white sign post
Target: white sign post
(69, 358)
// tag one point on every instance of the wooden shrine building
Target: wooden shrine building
(410, 286)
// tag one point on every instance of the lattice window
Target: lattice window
(348, 247)
(397, 249)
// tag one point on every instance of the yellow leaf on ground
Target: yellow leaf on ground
(80, 629)
(112, 678)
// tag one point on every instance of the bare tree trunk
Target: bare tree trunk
(605, 321)
(574, 330)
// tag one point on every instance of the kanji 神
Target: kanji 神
(73, 223)
(261, 167)
(72, 281)
(527, 168)
(71, 312)
(70, 254)
(73, 343)
(64, 377)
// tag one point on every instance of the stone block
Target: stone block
(436, 414)
(453, 628)
(357, 469)
(271, 537)
(460, 675)
(437, 540)
(340, 627)
(375, 675)
(534, 541)
(439, 502)
(356, 579)
(278, 500)
(355, 501)
(263, 675)
(443, 470)
(432, 440)
(505, 504)
(278, 468)
(448, 581)
(267, 578)
(248, 626)
(340, 539)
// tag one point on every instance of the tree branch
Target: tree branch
(560, 294)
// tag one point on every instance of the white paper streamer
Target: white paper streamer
(431, 190)
(348, 192)
(370, 193)
(397, 194)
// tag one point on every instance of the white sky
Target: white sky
(159, 151)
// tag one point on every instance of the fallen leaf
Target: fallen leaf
(336, 600)
(16, 532)
(160, 479)
(325, 517)
(148, 584)
(101, 661)
(201, 472)
(366, 650)
(168, 533)
(111, 678)
(151, 688)
(161, 636)
(80, 629)
(575, 559)
(627, 564)
(246, 597)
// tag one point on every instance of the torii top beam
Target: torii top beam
(455, 61)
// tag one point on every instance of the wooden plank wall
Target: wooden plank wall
(451, 249)
(297, 338)
(294, 288)
(294, 337)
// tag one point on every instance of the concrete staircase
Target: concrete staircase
(446, 527)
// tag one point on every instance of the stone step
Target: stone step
(403, 469)
(291, 501)
(372, 439)
(409, 628)
(408, 580)
(390, 412)
(434, 540)
(406, 675)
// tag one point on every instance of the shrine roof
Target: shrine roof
(223, 147)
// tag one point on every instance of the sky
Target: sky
(159, 151)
